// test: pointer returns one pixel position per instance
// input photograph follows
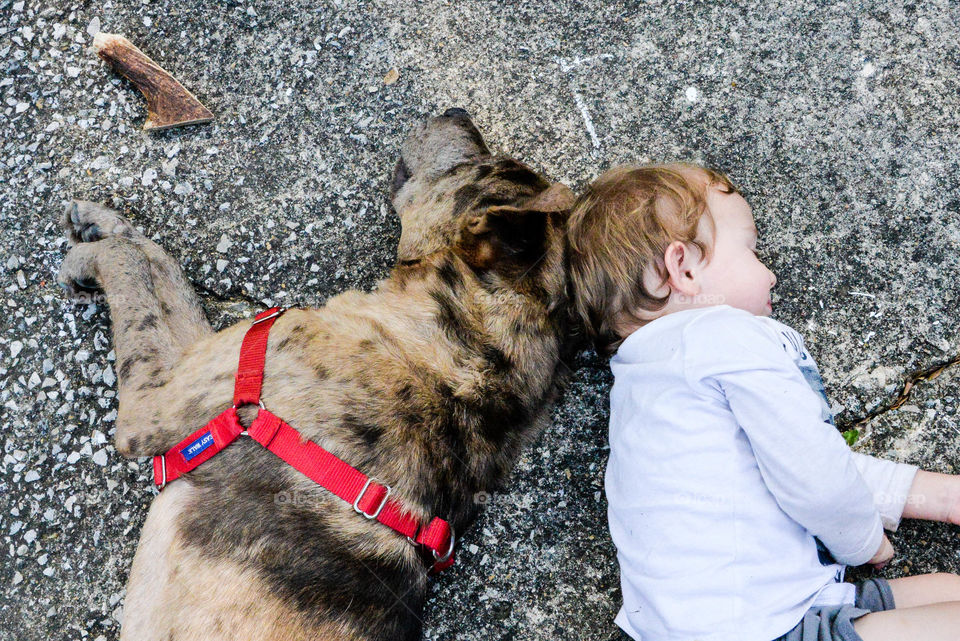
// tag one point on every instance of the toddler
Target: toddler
(734, 503)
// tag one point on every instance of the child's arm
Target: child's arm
(934, 497)
(890, 483)
(902, 490)
(804, 461)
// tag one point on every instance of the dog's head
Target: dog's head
(495, 212)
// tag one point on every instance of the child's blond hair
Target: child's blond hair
(620, 227)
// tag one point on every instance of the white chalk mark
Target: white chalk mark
(567, 65)
(862, 294)
(586, 119)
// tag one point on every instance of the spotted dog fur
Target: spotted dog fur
(433, 383)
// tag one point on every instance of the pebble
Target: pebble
(149, 175)
(224, 244)
(100, 457)
(15, 348)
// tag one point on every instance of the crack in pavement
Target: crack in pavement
(230, 298)
(926, 374)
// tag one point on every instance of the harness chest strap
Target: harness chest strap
(368, 497)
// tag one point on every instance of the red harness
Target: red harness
(368, 497)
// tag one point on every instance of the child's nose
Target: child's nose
(773, 280)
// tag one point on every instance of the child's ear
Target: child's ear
(508, 236)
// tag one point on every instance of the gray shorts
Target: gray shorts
(835, 622)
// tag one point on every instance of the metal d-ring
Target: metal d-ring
(449, 553)
(163, 470)
(262, 406)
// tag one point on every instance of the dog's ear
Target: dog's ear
(556, 197)
(511, 236)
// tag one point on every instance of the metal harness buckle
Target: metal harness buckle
(356, 503)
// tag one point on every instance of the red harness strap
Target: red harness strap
(368, 497)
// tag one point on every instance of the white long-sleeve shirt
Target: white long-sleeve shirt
(725, 471)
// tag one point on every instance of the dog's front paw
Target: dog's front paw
(77, 274)
(87, 222)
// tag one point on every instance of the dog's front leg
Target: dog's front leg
(156, 315)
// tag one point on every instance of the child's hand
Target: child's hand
(883, 555)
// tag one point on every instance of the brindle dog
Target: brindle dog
(433, 382)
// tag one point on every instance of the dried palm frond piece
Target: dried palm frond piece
(169, 104)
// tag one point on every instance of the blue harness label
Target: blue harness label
(194, 449)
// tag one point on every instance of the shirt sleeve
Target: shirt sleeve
(890, 483)
(804, 461)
